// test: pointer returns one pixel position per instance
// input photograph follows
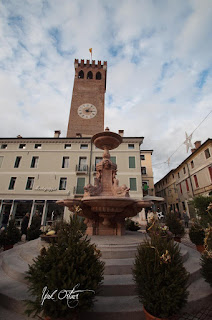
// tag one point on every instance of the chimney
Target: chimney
(57, 133)
(19, 136)
(121, 133)
(78, 135)
(192, 150)
(197, 144)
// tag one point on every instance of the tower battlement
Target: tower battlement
(90, 63)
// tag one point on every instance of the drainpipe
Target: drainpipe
(90, 162)
(190, 180)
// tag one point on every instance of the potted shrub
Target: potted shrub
(160, 277)
(153, 227)
(175, 226)
(197, 236)
(206, 258)
(10, 236)
(73, 263)
(34, 230)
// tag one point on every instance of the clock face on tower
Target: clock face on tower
(87, 111)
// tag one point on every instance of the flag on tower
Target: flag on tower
(90, 50)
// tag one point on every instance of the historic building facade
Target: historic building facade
(36, 172)
(191, 178)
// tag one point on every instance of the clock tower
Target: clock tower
(87, 104)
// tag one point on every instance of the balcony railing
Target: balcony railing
(82, 168)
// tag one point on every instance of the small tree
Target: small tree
(71, 261)
(34, 231)
(175, 225)
(160, 277)
(201, 205)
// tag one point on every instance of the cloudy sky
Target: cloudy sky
(159, 55)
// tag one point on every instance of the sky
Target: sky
(159, 76)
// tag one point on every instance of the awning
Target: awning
(154, 198)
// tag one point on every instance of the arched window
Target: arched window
(90, 75)
(98, 76)
(81, 75)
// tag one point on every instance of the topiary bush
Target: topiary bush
(197, 234)
(160, 277)
(34, 232)
(175, 225)
(72, 261)
(11, 235)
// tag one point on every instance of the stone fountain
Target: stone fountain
(106, 204)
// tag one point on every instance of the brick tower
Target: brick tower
(87, 105)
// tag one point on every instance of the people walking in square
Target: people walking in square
(24, 224)
(5, 219)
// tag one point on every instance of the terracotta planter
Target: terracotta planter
(178, 239)
(148, 316)
(200, 248)
(8, 246)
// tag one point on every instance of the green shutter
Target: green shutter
(133, 186)
(113, 159)
(131, 162)
(80, 185)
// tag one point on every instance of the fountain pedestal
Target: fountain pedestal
(106, 204)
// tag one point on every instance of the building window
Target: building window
(17, 162)
(97, 160)
(82, 164)
(90, 75)
(184, 170)
(1, 160)
(34, 163)
(181, 191)
(81, 75)
(196, 181)
(98, 76)
(12, 183)
(30, 182)
(145, 187)
(113, 159)
(67, 146)
(132, 162)
(133, 185)
(38, 146)
(172, 175)
(207, 154)
(80, 186)
(131, 146)
(84, 146)
(192, 164)
(63, 182)
(142, 157)
(187, 186)
(65, 162)
(143, 170)
(210, 171)
(4, 146)
(22, 146)
(178, 175)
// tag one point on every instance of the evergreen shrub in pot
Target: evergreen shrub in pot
(160, 277)
(197, 235)
(71, 261)
(10, 236)
(175, 225)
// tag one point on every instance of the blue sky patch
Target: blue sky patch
(202, 78)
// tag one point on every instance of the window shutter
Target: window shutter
(80, 185)
(131, 162)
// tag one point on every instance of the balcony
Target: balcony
(82, 169)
